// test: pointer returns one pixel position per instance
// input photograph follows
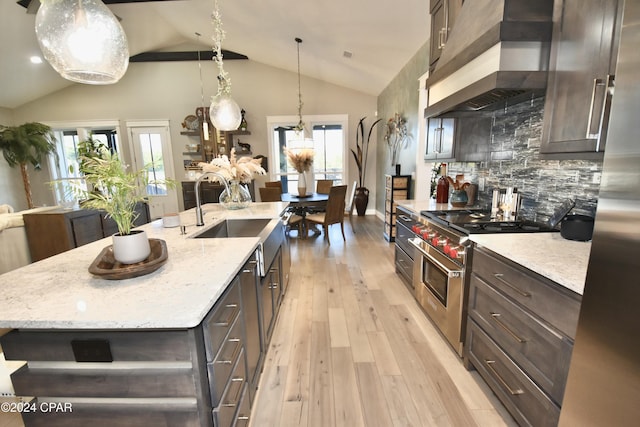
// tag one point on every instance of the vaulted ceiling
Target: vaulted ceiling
(381, 37)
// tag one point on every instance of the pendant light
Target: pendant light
(82, 40)
(301, 139)
(224, 111)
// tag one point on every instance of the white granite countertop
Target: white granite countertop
(548, 254)
(60, 293)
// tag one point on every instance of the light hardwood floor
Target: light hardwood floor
(353, 348)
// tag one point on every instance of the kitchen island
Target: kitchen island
(167, 348)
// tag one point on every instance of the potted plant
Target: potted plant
(360, 155)
(25, 144)
(118, 192)
(396, 137)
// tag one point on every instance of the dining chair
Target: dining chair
(270, 194)
(323, 186)
(351, 205)
(277, 184)
(334, 213)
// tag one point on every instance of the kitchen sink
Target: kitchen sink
(269, 231)
(235, 228)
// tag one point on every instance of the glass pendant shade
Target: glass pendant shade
(225, 113)
(82, 40)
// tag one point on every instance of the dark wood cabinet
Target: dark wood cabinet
(443, 15)
(52, 232)
(440, 138)
(521, 328)
(582, 76)
(465, 139)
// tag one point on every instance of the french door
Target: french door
(151, 149)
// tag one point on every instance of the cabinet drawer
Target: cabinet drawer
(224, 413)
(109, 413)
(244, 411)
(404, 265)
(151, 380)
(540, 351)
(526, 402)
(557, 306)
(220, 369)
(221, 318)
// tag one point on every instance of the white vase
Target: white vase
(131, 248)
(302, 184)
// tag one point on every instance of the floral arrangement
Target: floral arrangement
(396, 136)
(301, 160)
(234, 169)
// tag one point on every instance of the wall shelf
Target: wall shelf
(190, 132)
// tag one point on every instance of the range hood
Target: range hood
(497, 53)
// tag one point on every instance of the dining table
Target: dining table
(303, 205)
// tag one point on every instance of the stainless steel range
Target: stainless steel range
(443, 261)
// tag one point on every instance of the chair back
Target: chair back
(352, 199)
(277, 184)
(335, 205)
(323, 186)
(270, 194)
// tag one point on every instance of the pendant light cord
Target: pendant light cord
(300, 127)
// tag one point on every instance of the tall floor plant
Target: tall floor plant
(361, 155)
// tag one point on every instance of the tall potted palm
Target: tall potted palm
(26, 144)
(361, 155)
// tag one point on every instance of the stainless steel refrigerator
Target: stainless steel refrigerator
(603, 388)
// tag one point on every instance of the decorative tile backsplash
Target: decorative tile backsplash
(514, 162)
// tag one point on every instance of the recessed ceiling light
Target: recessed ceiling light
(35, 60)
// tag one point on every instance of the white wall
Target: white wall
(171, 90)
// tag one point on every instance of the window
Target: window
(329, 143)
(65, 168)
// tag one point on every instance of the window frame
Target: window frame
(310, 121)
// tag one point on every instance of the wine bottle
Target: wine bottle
(442, 190)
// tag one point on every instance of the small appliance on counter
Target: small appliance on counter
(505, 203)
(572, 227)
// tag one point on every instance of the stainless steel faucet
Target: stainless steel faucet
(199, 217)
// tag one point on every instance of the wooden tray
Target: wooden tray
(106, 267)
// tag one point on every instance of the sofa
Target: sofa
(14, 248)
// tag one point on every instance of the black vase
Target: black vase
(361, 200)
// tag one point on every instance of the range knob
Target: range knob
(442, 241)
(457, 252)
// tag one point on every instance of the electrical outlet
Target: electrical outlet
(597, 177)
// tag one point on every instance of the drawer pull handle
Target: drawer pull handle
(520, 291)
(236, 398)
(236, 351)
(496, 318)
(232, 315)
(513, 392)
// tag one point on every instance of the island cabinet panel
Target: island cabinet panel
(148, 380)
(130, 346)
